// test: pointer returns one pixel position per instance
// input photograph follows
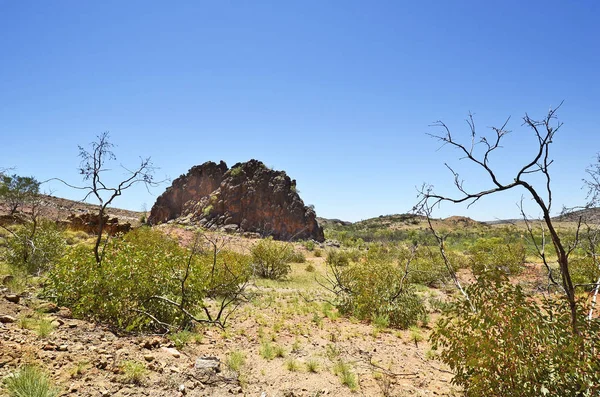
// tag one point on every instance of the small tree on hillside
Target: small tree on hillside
(93, 167)
(18, 191)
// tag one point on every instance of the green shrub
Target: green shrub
(34, 251)
(271, 259)
(344, 371)
(75, 237)
(495, 255)
(513, 345)
(30, 381)
(236, 360)
(134, 372)
(297, 257)
(309, 245)
(136, 269)
(340, 257)
(373, 289)
(318, 253)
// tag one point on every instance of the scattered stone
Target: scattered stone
(62, 348)
(65, 312)
(8, 279)
(47, 307)
(14, 298)
(181, 389)
(172, 351)
(6, 319)
(208, 363)
(148, 357)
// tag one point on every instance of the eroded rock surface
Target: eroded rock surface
(248, 197)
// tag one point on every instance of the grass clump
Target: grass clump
(134, 372)
(312, 366)
(267, 351)
(182, 338)
(236, 360)
(292, 365)
(271, 259)
(347, 377)
(30, 381)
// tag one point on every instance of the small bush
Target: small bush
(136, 269)
(344, 371)
(267, 351)
(272, 259)
(297, 257)
(373, 289)
(134, 372)
(514, 345)
(236, 360)
(292, 365)
(310, 268)
(35, 251)
(312, 365)
(317, 253)
(495, 255)
(30, 381)
(339, 257)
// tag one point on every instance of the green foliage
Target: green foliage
(30, 381)
(341, 257)
(236, 171)
(514, 345)
(309, 245)
(35, 247)
(207, 210)
(377, 288)
(297, 257)
(18, 191)
(584, 270)
(133, 372)
(266, 350)
(312, 365)
(272, 259)
(182, 338)
(75, 237)
(292, 365)
(236, 360)
(344, 371)
(137, 269)
(495, 254)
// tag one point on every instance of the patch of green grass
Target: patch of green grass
(182, 338)
(347, 377)
(236, 360)
(279, 351)
(44, 328)
(312, 365)
(267, 351)
(292, 365)
(380, 321)
(416, 335)
(30, 381)
(134, 372)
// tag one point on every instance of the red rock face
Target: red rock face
(89, 223)
(249, 197)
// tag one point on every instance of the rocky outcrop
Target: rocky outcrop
(249, 197)
(89, 223)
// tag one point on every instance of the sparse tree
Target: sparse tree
(93, 168)
(539, 164)
(18, 191)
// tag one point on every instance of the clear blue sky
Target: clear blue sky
(339, 94)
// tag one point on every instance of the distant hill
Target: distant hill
(591, 215)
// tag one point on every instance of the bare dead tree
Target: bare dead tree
(539, 164)
(93, 167)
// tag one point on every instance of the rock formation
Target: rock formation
(89, 223)
(248, 197)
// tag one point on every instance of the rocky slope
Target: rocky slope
(249, 197)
